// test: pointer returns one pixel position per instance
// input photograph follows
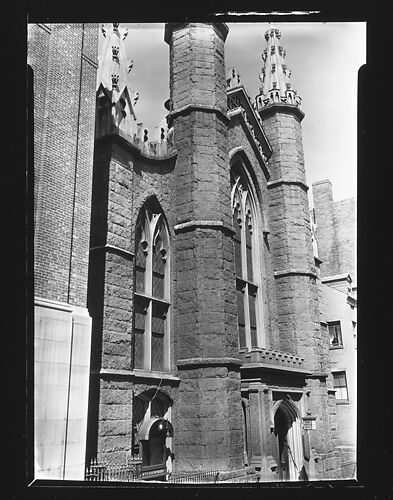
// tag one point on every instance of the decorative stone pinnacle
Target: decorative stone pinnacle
(113, 61)
(275, 84)
(116, 101)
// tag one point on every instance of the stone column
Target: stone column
(291, 244)
(207, 416)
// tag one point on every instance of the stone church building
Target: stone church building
(177, 304)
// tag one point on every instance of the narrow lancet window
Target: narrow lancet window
(247, 268)
(151, 304)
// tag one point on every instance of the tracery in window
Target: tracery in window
(151, 304)
(247, 268)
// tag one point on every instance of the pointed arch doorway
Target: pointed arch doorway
(287, 429)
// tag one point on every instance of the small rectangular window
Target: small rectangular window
(340, 384)
(335, 337)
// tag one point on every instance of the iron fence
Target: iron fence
(105, 472)
(201, 476)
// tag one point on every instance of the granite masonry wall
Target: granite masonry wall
(205, 305)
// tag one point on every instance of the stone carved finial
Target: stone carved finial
(275, 84)
(233, 78)
(136, 97)
(115, 54)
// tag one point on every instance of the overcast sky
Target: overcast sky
(324, 59)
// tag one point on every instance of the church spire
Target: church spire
(275, 75)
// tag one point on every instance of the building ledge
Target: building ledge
(138, 374)
(113, 249)
(202, 224)
(191, 363)
(267, 366)
(296, 272)
(336, 277)
(281, 108)
(289, 182)
(52, 304)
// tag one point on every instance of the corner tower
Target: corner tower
(208, 412)
(298, 308)
(279, 108)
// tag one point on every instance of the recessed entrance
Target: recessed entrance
(287, 429)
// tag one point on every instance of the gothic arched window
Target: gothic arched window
(247, 268)
(151, 305)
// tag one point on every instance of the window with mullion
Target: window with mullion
(244, 224)
(151, 342)
(340, 384)
(335, 336)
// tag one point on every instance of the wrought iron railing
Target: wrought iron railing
(131, 471)
(201, 476)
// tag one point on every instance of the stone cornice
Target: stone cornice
(279, 108)
(191, 363)
(136, 375)
(238, 101)
(282, 368)
(114, 249)
(203, 224)
(295, 272)
(52, 304)
(320, 375)
(222, 28)
(290, 182)
(336, 277)
(185, 110)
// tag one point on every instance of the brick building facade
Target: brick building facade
(193, 249)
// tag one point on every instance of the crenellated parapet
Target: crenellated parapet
(116, 101)
(275, 76)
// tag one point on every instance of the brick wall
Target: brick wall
(63, 58)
